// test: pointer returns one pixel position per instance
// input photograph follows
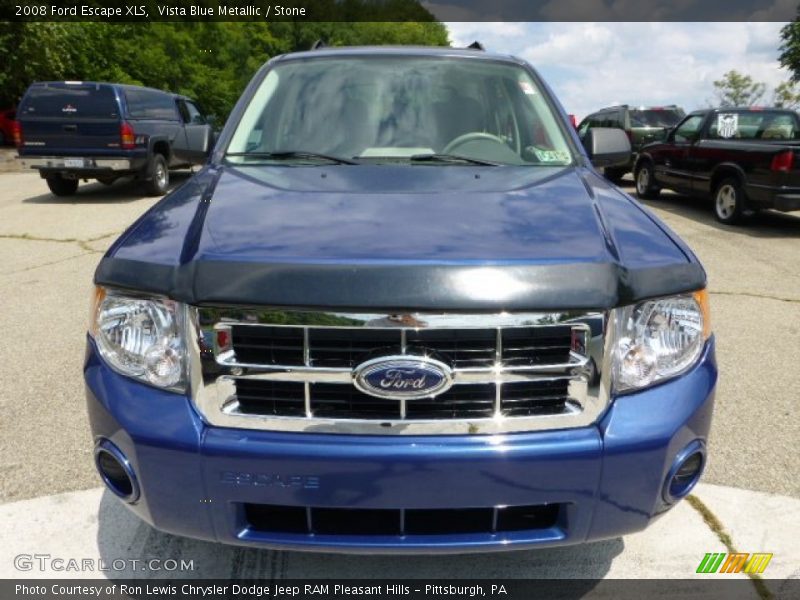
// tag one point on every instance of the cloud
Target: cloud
(591, 65)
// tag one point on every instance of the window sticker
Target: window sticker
(727, 125)
(543, 155)
(527, 88)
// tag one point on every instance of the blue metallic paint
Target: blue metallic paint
(610, 475)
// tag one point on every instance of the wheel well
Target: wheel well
(723, 173)
(643, 158)
(162, 148)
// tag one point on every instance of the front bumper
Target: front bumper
(194, 479)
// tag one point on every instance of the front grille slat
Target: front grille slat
(271, 367)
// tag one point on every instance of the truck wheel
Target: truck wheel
(61, 186)
(645, 183)
(729, 201)
(157, 176)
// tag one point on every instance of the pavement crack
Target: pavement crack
(83, 244)
(755, 295)
(716, 526)
(50, 263)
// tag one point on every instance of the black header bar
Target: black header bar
(395, 10)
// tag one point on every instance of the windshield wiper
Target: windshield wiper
(451, 158)
(289, 154)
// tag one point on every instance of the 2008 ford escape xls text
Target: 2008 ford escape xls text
(399, 310)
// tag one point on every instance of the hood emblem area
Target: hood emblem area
(402, 377)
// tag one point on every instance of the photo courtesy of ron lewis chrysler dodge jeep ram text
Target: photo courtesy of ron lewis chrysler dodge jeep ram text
(400, 311)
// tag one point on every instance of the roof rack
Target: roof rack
(320, 43)
(476, 45)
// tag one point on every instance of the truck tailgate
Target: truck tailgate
(70, 118)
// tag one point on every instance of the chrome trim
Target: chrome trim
(57, 162)
(214, 393)
(360, 372)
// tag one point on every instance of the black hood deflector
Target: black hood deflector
(392, 287)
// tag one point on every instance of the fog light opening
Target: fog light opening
(116, 472)
(685, 473)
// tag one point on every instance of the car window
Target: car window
(656, 117)
(69, 100)
(754, 125)
(380, 108)
(195, 117)
(687, 131)
(150, 104)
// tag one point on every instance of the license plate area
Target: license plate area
(74, 163)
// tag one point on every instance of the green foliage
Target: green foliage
(209, 61)
(786, 95)
(790, 48)
(736, 89)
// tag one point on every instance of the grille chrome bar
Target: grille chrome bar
(215, 372)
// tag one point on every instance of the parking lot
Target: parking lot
(50, 247)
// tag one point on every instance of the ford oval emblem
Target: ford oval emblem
(402, 377)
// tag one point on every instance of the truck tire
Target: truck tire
(61, 186)
(157, 176)
(729, 201)
(645, 183)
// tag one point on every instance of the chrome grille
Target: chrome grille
(294, 371)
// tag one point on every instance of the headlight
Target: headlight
(658, 339)
(141, 337)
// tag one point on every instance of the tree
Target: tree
(786, 95)
(210, 61)
(790, 48)
(737, 89)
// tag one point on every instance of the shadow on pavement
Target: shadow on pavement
(764, 224)
(123, 190)
(122, 535)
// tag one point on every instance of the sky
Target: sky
(593, 65)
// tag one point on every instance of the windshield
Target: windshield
(400, 109)
(656, 117)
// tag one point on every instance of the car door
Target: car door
(673, 169)
(198, 133)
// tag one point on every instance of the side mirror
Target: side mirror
(607, 147)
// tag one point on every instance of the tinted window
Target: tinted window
(70, 101)
(194, 115)
(754, 126)
(655, 118)
(381, 108)
(689, 128)
(149, 104)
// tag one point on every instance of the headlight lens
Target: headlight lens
(141, 337)
(658, 339)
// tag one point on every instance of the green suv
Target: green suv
(642, 124)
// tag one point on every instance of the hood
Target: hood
(405, 237)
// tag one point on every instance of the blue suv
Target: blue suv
(397, 311)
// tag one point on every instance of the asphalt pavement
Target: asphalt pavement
(50, 246)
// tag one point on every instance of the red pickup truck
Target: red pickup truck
(745, 158)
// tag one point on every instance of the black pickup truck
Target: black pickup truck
(72, 130)
(745, 158)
